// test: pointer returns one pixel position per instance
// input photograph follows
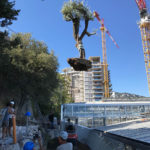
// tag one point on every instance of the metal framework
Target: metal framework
(106, 113)
(145, 34)
(105, 65)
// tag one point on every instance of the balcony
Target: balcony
(96, 66)
(96, 62)
(96, 90)
(98, 96)
(97, 75)
(97, 79)
(97, 70)
(97, 87)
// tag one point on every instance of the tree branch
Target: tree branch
(89, 34)
(85, 30)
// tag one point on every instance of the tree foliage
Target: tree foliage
(5, 42)
(28, 71)
(7, 12)
(76, 10)
(60, 95)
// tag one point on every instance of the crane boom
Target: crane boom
(142, 8)
(141, 4)
(106, 30)
(144, 25)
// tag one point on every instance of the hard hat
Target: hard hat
(12, 102)
(28, 146)
(63, 135)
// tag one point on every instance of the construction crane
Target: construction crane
(105, 65)
(144, 26)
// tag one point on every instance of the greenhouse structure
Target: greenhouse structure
(104, 113)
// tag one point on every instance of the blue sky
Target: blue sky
(44, 21)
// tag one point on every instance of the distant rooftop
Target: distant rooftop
(112, 103)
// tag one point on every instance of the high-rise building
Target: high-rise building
(97, 80)
(86, 86)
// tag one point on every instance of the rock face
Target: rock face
(23, 136)
(11, 147)
(21, 111)
(79, 64)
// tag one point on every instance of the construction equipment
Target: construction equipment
(105, 65)
(144, 26)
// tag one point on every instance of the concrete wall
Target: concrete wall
(96, 141)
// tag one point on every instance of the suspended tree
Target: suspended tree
(76, 12)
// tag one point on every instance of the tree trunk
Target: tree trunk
(76, 24)
(81, 49)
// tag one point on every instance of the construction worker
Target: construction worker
(62, 139)
(5, 122)
(12, 113)
(30, 145)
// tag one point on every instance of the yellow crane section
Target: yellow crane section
(105, 65)
(145, 34)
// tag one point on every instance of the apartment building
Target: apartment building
(96, 80)
(87, 86)
(76, 87)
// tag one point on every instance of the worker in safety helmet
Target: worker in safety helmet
(31, 146)
(62, 139)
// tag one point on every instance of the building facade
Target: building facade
(76, 87)
(86, 86)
